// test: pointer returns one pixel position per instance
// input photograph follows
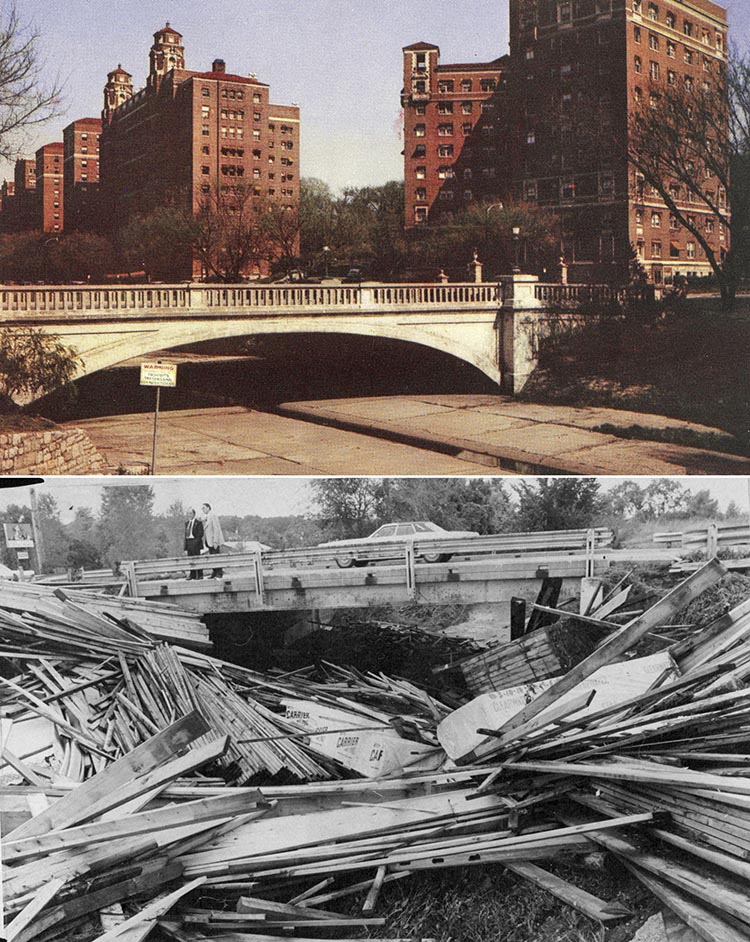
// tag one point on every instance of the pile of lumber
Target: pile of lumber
(638, 752)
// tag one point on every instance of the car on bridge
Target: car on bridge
(360, 552)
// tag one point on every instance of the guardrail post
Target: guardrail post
(260, 588)
(131, 579)
(590, 548)
(712, 541)
(411, 576)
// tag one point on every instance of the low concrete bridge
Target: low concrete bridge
(494, 327)
(476, 570)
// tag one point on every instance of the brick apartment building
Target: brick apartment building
(453, 125)
(50, 203)
(81, 174)
(18, 198)
(576, 71)
(188, 135)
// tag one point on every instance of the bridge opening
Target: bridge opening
(265, 370)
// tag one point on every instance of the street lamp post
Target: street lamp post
(516, 250)
(326, 253)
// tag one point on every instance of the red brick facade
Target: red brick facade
(453, 121)
(187, 135)
(575, 72)
(81, 173)
(50, 195)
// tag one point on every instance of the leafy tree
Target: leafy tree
(626, 499)
(347, 507)
(33, 362)
(25, 100)
(79, 256)
(558, 503)
(158, 243)
(702, 505)
(83, 555)
(126, 523)
(452, 503)
(53, 534)
(664, 497)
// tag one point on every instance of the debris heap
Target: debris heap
(219, 803)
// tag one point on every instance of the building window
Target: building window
(687, 28)
(467, 107)
(653, 11)
(689, 83)
(639, 221)
(653, 41)
(421, 194)
(206, 92)
(205, 131)
(637, 34)
(445, 173)
(638, 65)
(529, 54)
(606, 183)
(488, 84)
(671, 19)
(419, 150)
(656, 220)
(421, 172)
(466, 85)
(689, 57)
(420, 214)
(674, 223)
(445, 86)
(564, 11)
(568, 189)
(445, 130)
(637, 7)
(531, 137)
(529, 190)
(419, 130)
(468, 196)
(671, 49)
(690, 249)
(671, 77)
(445, 107)
(205, 111)
(656, 249)
(445, 150)
(205, 170)
(654, 70)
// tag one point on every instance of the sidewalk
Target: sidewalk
(522, 437)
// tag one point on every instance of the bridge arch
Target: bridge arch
(470, 339)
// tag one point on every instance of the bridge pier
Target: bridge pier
(518, 334)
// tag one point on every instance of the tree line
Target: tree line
(126, 526)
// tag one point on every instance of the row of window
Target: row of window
(235, 94)
(689, 28)
(690, 57)
(446, 86)
(445, 129)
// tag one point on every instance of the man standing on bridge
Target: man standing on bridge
(194, 541)
(213, 538)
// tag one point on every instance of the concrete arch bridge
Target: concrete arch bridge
(494, 327)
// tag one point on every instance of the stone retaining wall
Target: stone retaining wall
(51, 451)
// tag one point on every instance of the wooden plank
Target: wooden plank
(206, 809)
(44, 896)
(616, 646)
(377, 885)
(138, 926)
(584, 902)
(76, 806)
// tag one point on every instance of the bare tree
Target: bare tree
(683, 137)
(25, 99)
(228, 232)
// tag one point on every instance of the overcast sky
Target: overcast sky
(271, 497)
(341, 61)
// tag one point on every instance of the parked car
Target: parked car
(353, 277)
(404, 532)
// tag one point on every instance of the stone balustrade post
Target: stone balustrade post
(517, 322)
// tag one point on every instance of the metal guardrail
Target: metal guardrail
(256, 564)
(710, 538)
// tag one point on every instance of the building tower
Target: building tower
(167, 53)
(119, 89)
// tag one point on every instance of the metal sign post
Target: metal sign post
(157, 374)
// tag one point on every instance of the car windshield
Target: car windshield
(389, 530)
(426, 528)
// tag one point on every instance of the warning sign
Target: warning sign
(158, 374)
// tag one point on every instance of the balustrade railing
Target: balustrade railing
(201, 299)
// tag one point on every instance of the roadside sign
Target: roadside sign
(158, 374)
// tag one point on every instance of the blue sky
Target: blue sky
(341, 61)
